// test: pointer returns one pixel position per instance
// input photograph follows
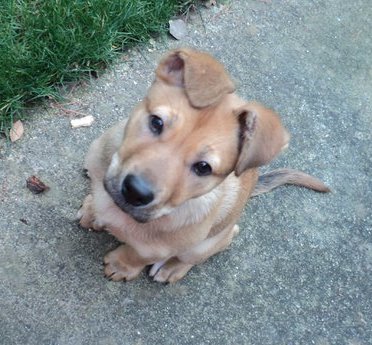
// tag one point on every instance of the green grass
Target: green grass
(46, 43)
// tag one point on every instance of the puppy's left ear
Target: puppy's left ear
(204, 79)
(262, 136)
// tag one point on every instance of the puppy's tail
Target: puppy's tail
(279, 177)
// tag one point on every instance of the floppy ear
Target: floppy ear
(204, 79)
(262, 136)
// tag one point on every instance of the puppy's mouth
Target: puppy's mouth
(133, 196)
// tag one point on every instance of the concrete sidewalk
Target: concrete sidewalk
(300, 270)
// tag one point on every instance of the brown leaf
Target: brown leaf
(177, 28)
(35, 185)
(16, 131)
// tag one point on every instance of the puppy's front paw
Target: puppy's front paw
(117, 267)
(170, 271)
(86, 215)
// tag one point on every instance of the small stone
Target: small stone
(85, 121)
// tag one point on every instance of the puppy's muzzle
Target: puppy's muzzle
(137, 191)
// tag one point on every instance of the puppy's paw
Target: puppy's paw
(116, 267)
(170, 271)
(86, 216)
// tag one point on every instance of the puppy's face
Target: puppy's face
(186, 136)
(171, 152)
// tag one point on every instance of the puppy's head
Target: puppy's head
(187, 136)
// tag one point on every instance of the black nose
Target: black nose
(137, 191)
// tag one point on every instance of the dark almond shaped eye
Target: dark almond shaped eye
(201, 168)
(156, 124)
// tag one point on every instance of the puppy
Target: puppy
(171, 182)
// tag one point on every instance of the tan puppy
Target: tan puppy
(171, 182)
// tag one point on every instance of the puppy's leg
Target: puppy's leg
(86, 215)
(169, 271)
(176, 268)
(124, 263)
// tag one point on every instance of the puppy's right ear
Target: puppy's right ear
(204, 79)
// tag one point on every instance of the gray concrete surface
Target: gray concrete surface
(300, 270)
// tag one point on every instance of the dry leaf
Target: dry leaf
(16, 131)
(35, 185)
(85, 121)
(177, 28)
